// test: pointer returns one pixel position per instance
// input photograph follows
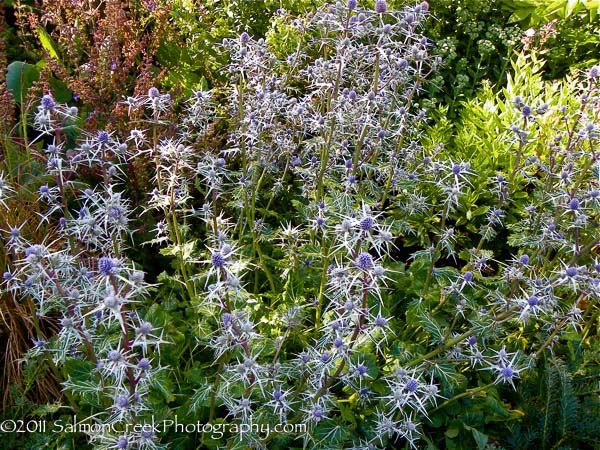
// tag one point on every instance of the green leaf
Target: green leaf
(47, 43)
(20, 77)
(452, 432)
(480, 438)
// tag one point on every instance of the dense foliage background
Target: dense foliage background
(376, 219)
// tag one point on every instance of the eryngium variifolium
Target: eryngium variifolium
(319, 250)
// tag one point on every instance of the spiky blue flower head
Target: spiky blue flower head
(153, 92)
(571, 272)
(227, 319)
(468, 276)
(524, 259)
(366, 224)
(351, 4)
(317, 413)
(380, 322)
(106, 265)
(122, 443)
(380, 6)
(114, 356)
(325, 357)
(456, 169)
(364, 261)
(217, 260)
(145, 328)
(103, 137)
(533, 301)
(472, 340)
(574, 204)
(244, 38)
(507, 373)
(348, 164)
(526, 111)
(48, 102)
(277, 394)
(122, 401)
(362, 370)
(594, 72)
(412, 385)
(144, 364)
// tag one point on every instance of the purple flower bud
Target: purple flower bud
(103, 137)
(144, 364)
(524, 259)
(351, 4)
(412, 385)
(364, 261)
(380, 322)
(594, 72)
(106, 265)
(277, 395)
(217, 259)
(456, 169)
(533, 300)
(114, 356)
(317, 413)
(122, 443)
(424, 7)
(380, 6)
(381, 134)
(362, 370)
(320, 221)
(574, 204)
(366, 224)
(338, 342)
(472, 340)
(145, 328)
(244, 38)
(507, 373)
(44, 190)
(526, 111)
(468, 276)
(571, 272)
(48, 102)
(122, 401)
(153, 92)
(348, 164)
(325, 357)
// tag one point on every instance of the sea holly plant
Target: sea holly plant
(323, 281)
